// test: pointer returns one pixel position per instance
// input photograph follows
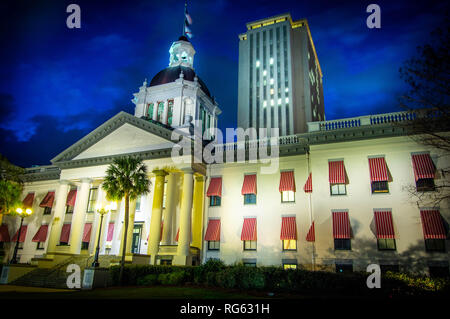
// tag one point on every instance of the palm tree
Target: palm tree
(126, 178)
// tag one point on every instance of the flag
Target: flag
(187, 31)
(188, 17)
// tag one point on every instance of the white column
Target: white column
(169, 211)
(155, 111)
(58, 216)
(79, 215)
(155, 222)
(184, 238)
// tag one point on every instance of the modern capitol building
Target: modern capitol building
(336, 198)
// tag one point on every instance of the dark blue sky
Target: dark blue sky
(58, 84)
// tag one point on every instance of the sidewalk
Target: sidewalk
(10, 288)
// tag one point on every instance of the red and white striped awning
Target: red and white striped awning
(384, 225)
(23, 234)
(311, 236)
(215, 187)
(249, 229)
(48, 200)
(249, 185)
(110, 232)
(28, 200)
(423, 166)
(336, 172)
(288, 228)
(213, 230)
(87, 232)
(4, 234)
(432, 224)
(65, 233)
(41, 235)
(308, 185)
(378, 169)
(287, 181)
(341, 225)
(71, 197)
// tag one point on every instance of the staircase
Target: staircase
(56, 277)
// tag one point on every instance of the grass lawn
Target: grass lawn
(154, 292)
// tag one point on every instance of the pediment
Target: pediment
(120, 135)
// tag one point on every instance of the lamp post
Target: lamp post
(102, 211)
(22, 213)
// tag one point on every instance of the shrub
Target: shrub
(164, 279)
(148, 280)
(225, 278)
(176, 278)
(248, 277)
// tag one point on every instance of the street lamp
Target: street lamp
(22, 213)
(102, 211)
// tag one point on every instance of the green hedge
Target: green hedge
(216, 274)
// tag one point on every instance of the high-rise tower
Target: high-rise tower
(280, 80)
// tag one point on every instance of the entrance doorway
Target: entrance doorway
(136, 243)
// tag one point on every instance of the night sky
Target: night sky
(58, 84)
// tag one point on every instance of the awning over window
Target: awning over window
(249, 229)
(87, 232)
(41, 235)
(215, 187)
(288, 228)
(65, 233)
(23, 235)
(71, 197)
(308, 185)
(48, 200)
(336, 171)
(423, 166)
(28, 200)
(4, 233)
(249, 186)
(384, 225)
(110, 232)
(341, 225)
(432, 224)
(213, 230)
(378, 169)
(311, 235)
(287, 181)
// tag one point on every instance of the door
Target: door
(136, 243)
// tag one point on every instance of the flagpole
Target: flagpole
(184, 18)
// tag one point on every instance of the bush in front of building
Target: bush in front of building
(148, 280)
(406, 284)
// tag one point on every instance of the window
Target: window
(425, 185)
(166, 262)
(289, 266)
(138, 204)
(47, 210)
(150, 111)
(380, 187)
(92, 199)
(342, 244)
(40, 245)
(84, 246)
(160, 111)
(249, 199)
(287, 196)
(170, 112)
(249, 244)
(69, 209)
(338, 189)
(290, 244)
(214, 201)
(437, 245)
(344, 268)
(213, 245)
(249, 264)
(386, 244)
